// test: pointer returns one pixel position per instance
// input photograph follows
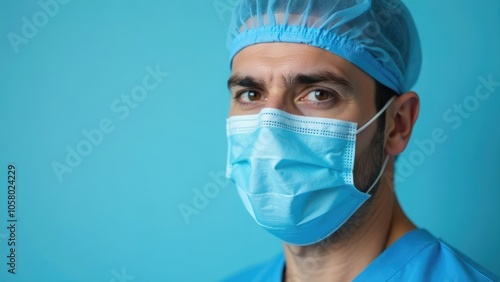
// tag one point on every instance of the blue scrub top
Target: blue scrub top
(416, 256)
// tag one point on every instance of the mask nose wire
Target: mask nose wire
(376, 116)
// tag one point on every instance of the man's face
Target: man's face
(305, 80)
(302, 80)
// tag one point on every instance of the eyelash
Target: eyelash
(334, 96)
(238, 95)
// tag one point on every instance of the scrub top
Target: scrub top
(416, 256)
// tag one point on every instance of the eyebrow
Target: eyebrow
(317, 77)
(244, 81)
(294, 79)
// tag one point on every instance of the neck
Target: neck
(346, 257)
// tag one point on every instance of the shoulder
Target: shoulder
(441, 259)
(270, 270)
(419, 256)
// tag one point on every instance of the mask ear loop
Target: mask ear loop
(387, 157)
(379, 175)
(377, 115)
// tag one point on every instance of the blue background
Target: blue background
(116, 214)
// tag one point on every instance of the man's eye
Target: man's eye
(249, 96)
(318, 96)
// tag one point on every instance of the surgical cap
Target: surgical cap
(378, 36)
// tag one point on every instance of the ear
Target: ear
(400, 118)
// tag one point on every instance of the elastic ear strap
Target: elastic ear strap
(379, 175)
(377, 115)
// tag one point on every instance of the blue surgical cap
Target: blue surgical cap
(378, 36)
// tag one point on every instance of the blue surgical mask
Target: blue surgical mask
(294, 174)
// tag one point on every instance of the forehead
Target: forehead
(269, 60)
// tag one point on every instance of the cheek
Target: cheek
(365, 137)
(233, 107)
(237, 110)
(367, 110)
(233, 110)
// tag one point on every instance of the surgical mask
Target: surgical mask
(294, 174)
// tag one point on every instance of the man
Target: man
(321, 106)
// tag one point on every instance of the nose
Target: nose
(281, 99)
